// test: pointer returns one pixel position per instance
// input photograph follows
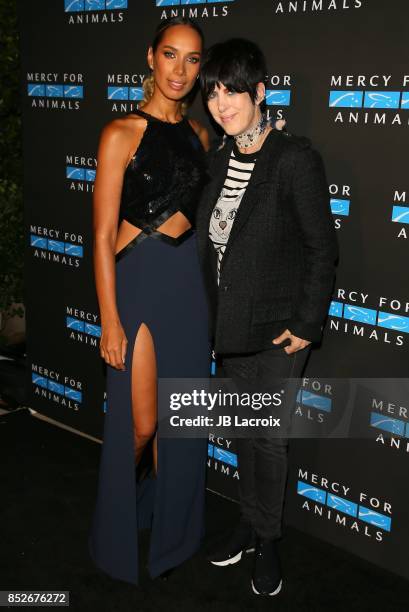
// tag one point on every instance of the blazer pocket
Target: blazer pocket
(274, 310)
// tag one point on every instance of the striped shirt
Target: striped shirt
(237, 178)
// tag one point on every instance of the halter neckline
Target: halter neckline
(149, 116)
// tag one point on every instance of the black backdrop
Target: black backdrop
(337, 72)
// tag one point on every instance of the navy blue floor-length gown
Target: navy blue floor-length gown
(158, 283)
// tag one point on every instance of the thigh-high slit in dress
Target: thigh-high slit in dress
(158, 283)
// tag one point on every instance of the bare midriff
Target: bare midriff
(175, 226)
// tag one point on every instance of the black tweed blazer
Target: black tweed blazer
(279, 265)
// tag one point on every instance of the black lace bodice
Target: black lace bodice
(166, 174)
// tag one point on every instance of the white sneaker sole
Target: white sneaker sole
(278, 589)
(234, 559)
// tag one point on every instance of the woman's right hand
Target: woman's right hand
(113, 345)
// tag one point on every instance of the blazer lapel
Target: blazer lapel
(263, 172)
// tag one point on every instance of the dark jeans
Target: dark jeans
(263, 460)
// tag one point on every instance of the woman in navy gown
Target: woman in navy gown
(151, 171)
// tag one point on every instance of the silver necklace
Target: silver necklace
(249, 138)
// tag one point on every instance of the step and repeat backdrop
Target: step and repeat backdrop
(337, 72)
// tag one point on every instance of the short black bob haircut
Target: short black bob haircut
(238, 64)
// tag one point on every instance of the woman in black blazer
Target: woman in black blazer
(268, 248)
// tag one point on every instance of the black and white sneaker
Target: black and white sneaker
(266, 579)
(230, 550)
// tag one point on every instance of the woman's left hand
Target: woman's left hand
(296, 344)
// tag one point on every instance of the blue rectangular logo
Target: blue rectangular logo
(92, 330)
(400, 214)
(56, 387)
(77, 6)
(387, 423)
(313, 400)
(73, 394)
(382, 99)
(73, 91)
(118, 93)
(278, 97)
(74, 173)
(375, 518)
(342, 505)
(345, 99)
(339, 206)
(75, 324)
(335, 309)
(393, 321)
(56, 246)
(41, 381)
(94, 5)
(404, 103)
(54, 91)
(210, 448)
(362, 315)
(38, 242)
(136, 93)
(225, 456)
(43, 90)
(125, 93)
(306, 490)
(36, 90)
(75, 250)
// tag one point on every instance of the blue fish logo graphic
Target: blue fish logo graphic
(320, 402)
(75, 250)
(73, 91)
(278, 97)
(73, 6)
(382, 99)
(392, 321)
(375, 518)
(117, 4)
(400, 214)
(342, 505)
(92, 330)
(225, 456)
(75, 173)
(136, 93)
(306, 490)
(54, 91)
(404, 103)
(362, 315)
(73, 394)
(339, 206)
(345, 99)
(75, 324)
(40, 381)
(335, 309)
(210, 448)
(386, 423)
(118, 93)
(36, 90)
(38, 242)
(94, 5)
(56, 387)
(56, 246)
